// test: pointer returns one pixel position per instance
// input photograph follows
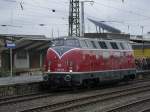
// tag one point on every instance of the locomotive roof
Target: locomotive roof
(84, 38)
(92, 43)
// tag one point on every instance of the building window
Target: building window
(114, 45)
(22, 55)
(102, 45)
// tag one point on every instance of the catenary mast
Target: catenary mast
(74, 18)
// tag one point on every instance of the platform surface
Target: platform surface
(144, 72)
(38, 78)
(20, 79)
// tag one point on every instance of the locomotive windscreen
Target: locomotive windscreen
(66, 42)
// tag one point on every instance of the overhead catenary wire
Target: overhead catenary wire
(109, 6)
(113, 18)
(34, 11)
(124, 4)
(37, 16)
(122, 10)
(128, 22)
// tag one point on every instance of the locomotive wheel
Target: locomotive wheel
(88, 83)
(128, 78)
(96, 82)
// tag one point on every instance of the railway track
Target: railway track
(74, 104)
(106, 95)
(146, 110)
(23, 98)
(139, 105)
(43, 94)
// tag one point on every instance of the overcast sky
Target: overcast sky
(37, 17)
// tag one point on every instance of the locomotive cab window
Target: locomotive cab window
(71, 42)
(58, 42)
(114, 45)
(66, 42)
(102, 45)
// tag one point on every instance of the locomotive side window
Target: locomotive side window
(93, 44)
(102, 45)
(89, 44)
(83, 44)
(129, 45)
(122, 46)
(114, 45)
(86, 43)
(126, 46)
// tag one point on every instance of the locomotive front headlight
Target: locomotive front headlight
(49, 64)
(71, 66)
(70, 70)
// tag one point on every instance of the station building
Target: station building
(27, 55)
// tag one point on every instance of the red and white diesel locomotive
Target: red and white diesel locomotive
(74, 61)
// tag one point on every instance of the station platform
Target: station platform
(38, 78)
(144, 72)
(20, 79)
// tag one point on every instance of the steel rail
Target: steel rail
(129, 104)
(85, 101)
(26, 97)
(146, 110)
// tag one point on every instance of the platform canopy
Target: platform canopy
(105, 26)
(24, 42)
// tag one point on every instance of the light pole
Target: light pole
(142, 27)
(11, 63)
(82, 16)
(11, 45)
